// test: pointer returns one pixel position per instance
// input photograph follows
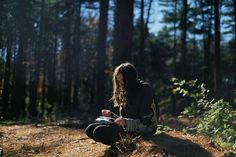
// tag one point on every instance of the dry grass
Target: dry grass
(31, 140)
(56, 141)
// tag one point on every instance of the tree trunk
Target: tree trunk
(7, 79)
(208, 47)
(33, 113)
(45, 68)
(91, 86)
(207, 24)
(234, 19)
(175, 55)
(1, 45)
(76, 57)
(123, 31)
(175, 37)
(52, 80)
(1, 25)
(101, 55)
(43, 88)
(184, 68)
(147, 19)
(217, 69)
(234, 41)
(19, 93)
(141, 56)
(51, 96)
(68, 59)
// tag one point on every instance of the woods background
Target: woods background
(57, 57)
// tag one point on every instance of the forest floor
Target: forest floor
(67, 139)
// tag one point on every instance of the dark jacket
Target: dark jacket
(140, 112)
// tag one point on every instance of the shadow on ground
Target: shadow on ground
(173, 146)
(162, 145)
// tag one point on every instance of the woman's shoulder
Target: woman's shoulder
(144, 86)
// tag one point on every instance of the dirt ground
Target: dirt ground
(54, 140)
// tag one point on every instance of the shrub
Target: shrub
(215, 118)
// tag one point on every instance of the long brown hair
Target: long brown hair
(121, 95)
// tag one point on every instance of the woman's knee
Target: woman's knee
(90, 128)
(103, 134)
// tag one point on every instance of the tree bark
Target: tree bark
(52, 80)
(1, 43)
(19, 93)
(7, 79)
(33, 113)
(207, 26)
(234, 19)
(141, 56)
(76, 54)
(234, 1)
(175, 55)
(175, 37)
(184, 69)
(68, 59)
(217, 69)
(147, 19)
(1, 25)
(45, 54)
(101, 55)
(123, 31)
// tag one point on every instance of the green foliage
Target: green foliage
(215, 118)
(219, 122)
(195, 93)
(161, 129)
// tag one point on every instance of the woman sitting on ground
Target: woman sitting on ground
(133, 101)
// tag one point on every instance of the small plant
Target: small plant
(216, 118)
(162, 129)
(219, 122)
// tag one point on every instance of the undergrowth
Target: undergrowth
(213, 118)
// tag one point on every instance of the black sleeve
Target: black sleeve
(145, 110)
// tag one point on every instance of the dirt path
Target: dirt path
(55, 141)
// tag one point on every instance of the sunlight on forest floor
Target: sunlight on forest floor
(57, 141)
(33, 140)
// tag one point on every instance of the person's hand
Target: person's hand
(120, 121)
(106, 113)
